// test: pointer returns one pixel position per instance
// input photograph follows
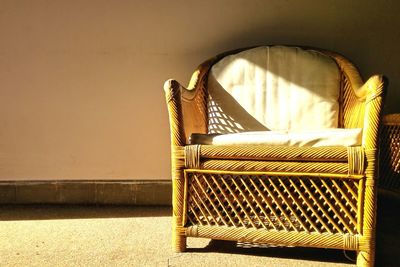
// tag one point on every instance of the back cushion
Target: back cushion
(274, 88)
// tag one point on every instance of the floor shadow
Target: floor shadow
(311, 254)
(388, 231)
(57, 212)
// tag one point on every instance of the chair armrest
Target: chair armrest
(373, 87)
(172, 91)
(372, 92)
(187, 107)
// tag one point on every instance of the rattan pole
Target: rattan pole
(194, 96)
(173, 97)
(373, 110)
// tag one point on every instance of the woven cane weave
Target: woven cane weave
(274, 202)
(260, 152)
(390, 153)
(287, 196)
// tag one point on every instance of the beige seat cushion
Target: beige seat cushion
(274, 88)
(326, 137)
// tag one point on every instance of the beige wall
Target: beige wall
(81, 81)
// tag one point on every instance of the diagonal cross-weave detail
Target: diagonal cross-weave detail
(390, 153)
(273, 202)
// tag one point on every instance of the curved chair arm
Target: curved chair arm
(187, 107)
(351, 72)
(372, 92)
(172, 91)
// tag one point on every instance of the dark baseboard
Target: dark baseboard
(121, 192)
(101, 192)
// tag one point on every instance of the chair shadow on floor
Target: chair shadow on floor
(388, 231)
(387, 245)
(311, 254)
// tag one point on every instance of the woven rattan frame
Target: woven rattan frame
(279, 195)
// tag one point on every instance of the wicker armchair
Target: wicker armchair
(284, 192)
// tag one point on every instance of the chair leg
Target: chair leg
(178, 234)
(365, 259)
(178, 242)
(366, 256)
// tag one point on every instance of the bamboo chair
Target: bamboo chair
(306, 196)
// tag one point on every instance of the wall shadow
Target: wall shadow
(57, 212)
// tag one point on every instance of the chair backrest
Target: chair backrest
(274, 88)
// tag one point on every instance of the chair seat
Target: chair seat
(320, 138)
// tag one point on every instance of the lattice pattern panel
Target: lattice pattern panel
(283, 203)
(390, 157)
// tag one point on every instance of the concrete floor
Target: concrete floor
(140, 236)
